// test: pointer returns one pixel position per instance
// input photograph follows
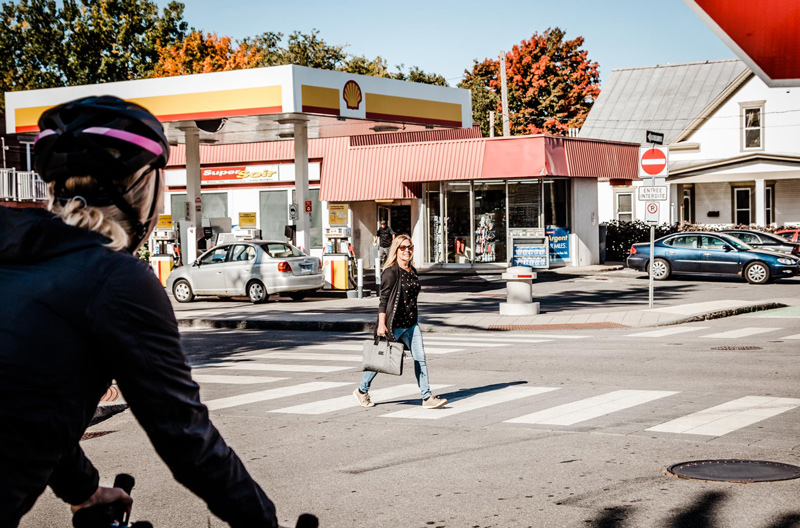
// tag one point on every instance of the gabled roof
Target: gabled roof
(666, 98)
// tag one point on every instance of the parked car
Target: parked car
(711, 253)
(257, 269)
(761, 240)
(792, 235)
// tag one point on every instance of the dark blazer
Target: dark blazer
(390, 296)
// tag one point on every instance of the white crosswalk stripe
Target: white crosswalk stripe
(739, 332)
(345, 347)
(251, 365)
(440, 341)
(345, 402)
(590, 408)
(729, 417)
(673, 330)
(271, 394)
(502, 336)
(470, 403)
(311, 357)
(795, 336)
(233, 380)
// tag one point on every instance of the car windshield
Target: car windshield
(735, 242)
(280, 250)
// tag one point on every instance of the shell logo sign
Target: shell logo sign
(352, 95)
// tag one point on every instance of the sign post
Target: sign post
(653, 163)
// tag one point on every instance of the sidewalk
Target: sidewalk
(594, 297)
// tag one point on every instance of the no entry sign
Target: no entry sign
(653, 162)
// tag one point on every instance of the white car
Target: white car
(255, 268)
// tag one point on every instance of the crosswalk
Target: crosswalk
(237, 382)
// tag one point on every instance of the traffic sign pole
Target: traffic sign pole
(651, 285)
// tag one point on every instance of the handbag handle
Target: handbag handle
(378, 338)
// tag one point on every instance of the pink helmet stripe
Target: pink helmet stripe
(130, 137)
(43, 133)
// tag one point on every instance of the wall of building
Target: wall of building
(712, 197)
(787, 202)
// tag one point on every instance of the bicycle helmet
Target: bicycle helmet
(118, 143)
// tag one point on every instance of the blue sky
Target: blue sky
(444, 36)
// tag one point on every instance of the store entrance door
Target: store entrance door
(400, 219)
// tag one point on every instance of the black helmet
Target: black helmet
(106, 138)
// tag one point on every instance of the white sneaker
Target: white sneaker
(363, 398)
(432, 402)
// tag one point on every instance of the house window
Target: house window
(624, 207)
(752, 125)
(741, 206)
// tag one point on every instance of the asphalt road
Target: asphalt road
(548, 429)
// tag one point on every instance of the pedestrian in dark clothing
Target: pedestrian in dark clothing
(384, 237)
(78, 310)
(397, 319)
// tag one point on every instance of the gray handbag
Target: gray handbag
(382, 355)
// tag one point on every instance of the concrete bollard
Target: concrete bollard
(519, 286)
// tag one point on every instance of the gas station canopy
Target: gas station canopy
(262, 104)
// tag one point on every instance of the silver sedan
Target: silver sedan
(257, 269)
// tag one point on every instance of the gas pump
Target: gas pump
(338, 260)
(163, 244)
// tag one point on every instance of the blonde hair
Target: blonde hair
(107, 220)
(391, 257)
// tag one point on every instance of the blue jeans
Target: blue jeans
(412, 337)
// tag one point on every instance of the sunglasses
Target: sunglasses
(405, 248)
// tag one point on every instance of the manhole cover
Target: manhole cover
(89, 436)
(736, 348)
(111, 394)
(741, 471)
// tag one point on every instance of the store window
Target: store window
(624, 206)
(435, 246)
(215, 205)
(752, 125)
(490, 222)
(556, 203)
(273, 214)
(525, 203)
(315, 231)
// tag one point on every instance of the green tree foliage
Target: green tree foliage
(83, 41)
(551, 85)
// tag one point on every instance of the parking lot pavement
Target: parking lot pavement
(571, 298)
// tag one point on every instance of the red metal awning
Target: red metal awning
(396, 171)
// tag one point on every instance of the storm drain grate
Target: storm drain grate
(576, 326)
(736, 348)
(733, 470)
(89, 436)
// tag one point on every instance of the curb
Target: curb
(720, 314)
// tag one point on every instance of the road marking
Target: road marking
(275, 367)
(496, 341)
(667, 331)
(378, 396)
(470, 402)
(729, 417)
(795, 336)
(590, 408)
(504, 336)
(344, 347)
(271, 394)
(313, 357)
(739, 332)
(233, 380)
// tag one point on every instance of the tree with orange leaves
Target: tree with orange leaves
(551, 85)
(205, 53)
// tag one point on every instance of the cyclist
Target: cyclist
(77, 310)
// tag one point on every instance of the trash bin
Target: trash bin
(519, 287)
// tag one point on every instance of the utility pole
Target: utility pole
(504, 93)
(491, 123)
(4, 148)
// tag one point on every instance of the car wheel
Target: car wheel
(182, 291)
(298, 296)
(257, 293)
(661, 269)
(756, 273)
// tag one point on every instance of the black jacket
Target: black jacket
(73, 316)
(390, 296)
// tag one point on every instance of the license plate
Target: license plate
(306, 267)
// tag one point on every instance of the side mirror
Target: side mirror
(196, 263)
(727, 248)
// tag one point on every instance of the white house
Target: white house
(734, 143)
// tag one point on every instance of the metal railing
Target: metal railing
(19, 186)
